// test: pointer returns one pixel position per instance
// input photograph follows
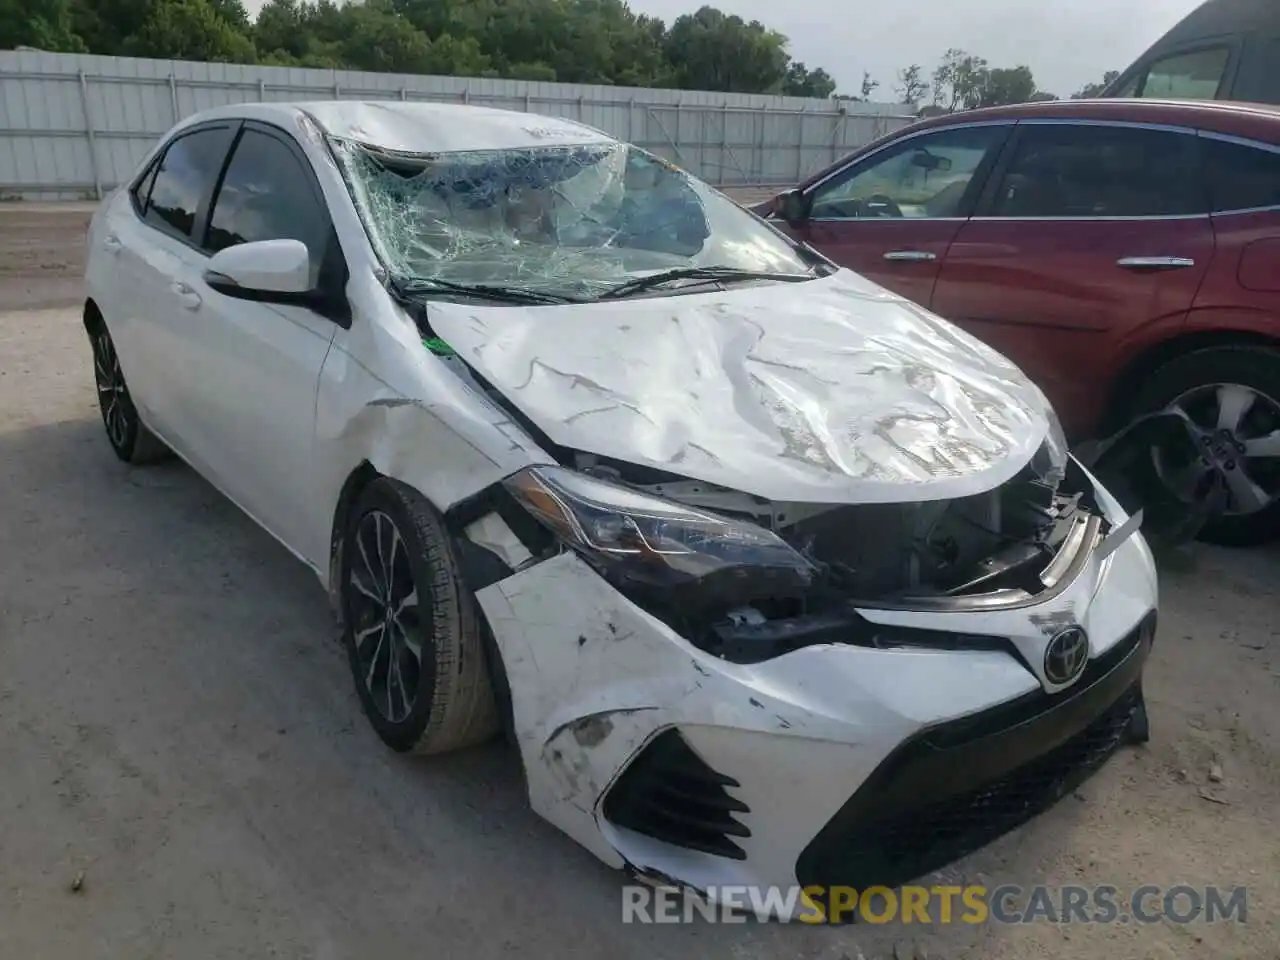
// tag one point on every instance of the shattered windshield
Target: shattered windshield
(572, 221)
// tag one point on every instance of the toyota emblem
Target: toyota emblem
(1066, 656)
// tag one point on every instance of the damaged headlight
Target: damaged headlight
(660, 548)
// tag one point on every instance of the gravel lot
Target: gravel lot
(179, 733)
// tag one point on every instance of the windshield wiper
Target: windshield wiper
(481, 291)
(732, 274)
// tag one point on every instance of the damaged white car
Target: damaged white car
(772, 576)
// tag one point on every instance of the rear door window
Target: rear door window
(1077, 171)
(268, 194)
(1241, 177)
(183, 179)
(1194, 75)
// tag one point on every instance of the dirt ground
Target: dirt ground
(184, 770)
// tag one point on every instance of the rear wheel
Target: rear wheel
(129, 437)
(1232, 397)
(412, 631)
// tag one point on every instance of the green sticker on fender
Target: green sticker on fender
(438, 347)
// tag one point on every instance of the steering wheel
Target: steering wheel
(880, 205)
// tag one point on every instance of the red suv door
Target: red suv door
(1090, 242)
(890, 215)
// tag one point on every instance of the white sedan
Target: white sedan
(773, 577)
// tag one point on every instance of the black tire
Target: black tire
(1255, 367)
(127, 434)
(442, 700)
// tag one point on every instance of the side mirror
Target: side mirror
(792, 206)
(269, 271)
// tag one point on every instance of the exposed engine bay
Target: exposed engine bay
(1005, 547)
(932, 548)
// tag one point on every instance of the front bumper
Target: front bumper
(955, 787)
(831, 764)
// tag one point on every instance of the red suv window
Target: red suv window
(1089, 170)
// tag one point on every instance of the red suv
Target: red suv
(1125, 253)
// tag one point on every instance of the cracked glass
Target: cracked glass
(562, 220)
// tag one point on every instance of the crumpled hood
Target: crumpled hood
(828, 391)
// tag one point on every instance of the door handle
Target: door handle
(111, 243)
(186, 295)
(910, 256)
(1155, 263)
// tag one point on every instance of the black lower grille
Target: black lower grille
(891, 850)
(671, 794)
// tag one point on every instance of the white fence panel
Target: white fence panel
(74, 126)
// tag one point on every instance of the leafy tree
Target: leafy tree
(232, 11)
(963, 81)
(800, 81)
(1091, 90)
(712, 51)
(582, 41)
(43, 24)
(911, 86)
(380, 40)
(189, 30)
(1006, 85)
(104, 25)
(958, 81)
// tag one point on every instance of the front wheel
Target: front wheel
(412, 632)
(1231, 397)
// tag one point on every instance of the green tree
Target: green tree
(374, 37)
(800, 81)
(579, 41)
(711, 51)
(1091, 90)
(43, 24)
(104, 25)
(189, 30)
(958, 81)
(911, 86)
(1004, 85)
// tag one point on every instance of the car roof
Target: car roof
(1252, 121)
(409, 127)
(1203, 114)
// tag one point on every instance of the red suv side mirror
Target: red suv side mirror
(792, 206)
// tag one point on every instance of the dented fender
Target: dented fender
(448, 448)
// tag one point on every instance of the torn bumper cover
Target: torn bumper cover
(872, 756)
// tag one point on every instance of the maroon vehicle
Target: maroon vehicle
(1124, 253)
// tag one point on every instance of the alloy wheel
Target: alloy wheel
(1236, 433)
(113, 395)
(387, 625)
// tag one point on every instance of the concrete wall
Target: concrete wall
(73, 126)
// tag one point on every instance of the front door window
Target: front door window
(924, 177)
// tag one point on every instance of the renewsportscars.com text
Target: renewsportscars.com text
(1006, 904)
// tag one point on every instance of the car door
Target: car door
(147, 241)
(890, 216)
(254, 367)
(1090, 239)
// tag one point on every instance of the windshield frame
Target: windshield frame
(807, 260)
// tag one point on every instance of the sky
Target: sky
(1066, 43)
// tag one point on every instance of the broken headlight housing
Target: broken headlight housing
(658, 551)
